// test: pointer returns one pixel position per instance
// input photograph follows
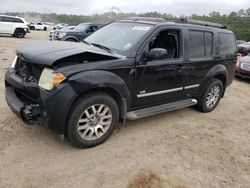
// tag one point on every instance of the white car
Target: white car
(38, 26)
(60, 26)
(14, 26)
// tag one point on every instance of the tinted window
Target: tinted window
(196, 42)
(18, 20)
(8, 19)
(200, 44)
(227, 44)
(1, 18)
(209, 44)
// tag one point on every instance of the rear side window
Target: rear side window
(8, 19)
(18, 20)
(200, 44)
(209, 44)
(1, 18)
(227, 44)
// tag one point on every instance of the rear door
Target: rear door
(7, 25)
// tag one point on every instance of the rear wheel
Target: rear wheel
(212, 95)
(32, 28)
(19, 33)
(92, 120)
(45, 28)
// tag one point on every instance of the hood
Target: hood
(48, 53)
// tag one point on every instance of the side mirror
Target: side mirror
(157, 53)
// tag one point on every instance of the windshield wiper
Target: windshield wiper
(85, 42)
(102, 47)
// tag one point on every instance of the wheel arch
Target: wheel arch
(99, 81)
(71, 37)
(220, 72)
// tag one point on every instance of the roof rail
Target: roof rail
(147, 19)
(201, 22)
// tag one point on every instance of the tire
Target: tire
(32, 28)
(71, 40)
(45, 28)
(86, 126)
(211, 96)
(19, 33)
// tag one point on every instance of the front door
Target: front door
(164, 80)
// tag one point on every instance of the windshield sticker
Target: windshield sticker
(141, 28)
(127, 46)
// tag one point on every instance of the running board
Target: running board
(150, 111)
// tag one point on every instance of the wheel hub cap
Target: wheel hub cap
(94, 122)
(213, 96)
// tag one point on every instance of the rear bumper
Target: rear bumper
(34, 105)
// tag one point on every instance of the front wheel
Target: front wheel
(212, 95)
(92, 120)
(45, 28)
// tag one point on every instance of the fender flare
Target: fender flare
(215, 71)
(86, 81)
(71, 37)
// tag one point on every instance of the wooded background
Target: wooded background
(238, 22)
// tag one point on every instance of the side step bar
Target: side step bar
(150, 111)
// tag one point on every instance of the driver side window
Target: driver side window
(165, 39)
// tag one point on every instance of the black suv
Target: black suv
(129, 69)
(79, 33)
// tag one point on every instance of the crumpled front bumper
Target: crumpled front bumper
(34, 105)
(30, 113)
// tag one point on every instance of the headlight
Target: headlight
(14, 62)
(245, 66)
(49, 79)
(61, 35)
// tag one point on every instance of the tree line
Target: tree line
(238, 22)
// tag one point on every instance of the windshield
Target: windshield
(81, 27)
(119, 36)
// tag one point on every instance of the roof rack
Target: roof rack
(202, 23)
(147, 19)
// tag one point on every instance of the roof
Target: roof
(180, 23)
(10, 16)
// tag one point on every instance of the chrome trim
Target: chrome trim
(192, 86)
(159, 92)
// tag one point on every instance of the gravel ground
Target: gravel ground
(183, 149)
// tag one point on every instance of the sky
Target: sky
(88, 7)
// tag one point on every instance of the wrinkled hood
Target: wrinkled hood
(47, 53)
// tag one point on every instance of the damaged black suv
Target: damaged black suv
(129, 69)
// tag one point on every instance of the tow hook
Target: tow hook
(31, 112)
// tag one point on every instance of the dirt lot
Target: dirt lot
(180, 149)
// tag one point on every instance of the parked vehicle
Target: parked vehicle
(242, 68)
(60, 26)
(79, 33)
(53, 33)
(14, 26)
(127, 70)
(38, 26)
(244, 48)
(238, 42)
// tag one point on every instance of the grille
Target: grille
(27, 71)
